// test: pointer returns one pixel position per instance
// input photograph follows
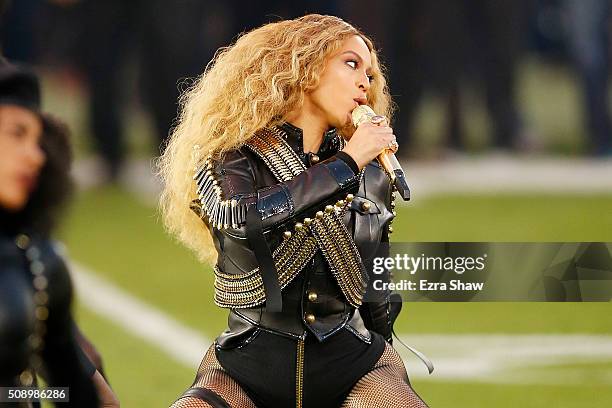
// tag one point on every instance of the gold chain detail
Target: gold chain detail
(271, 147)
(247, 290)
(299, 374)
(327, 232)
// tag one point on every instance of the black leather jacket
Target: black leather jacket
(64, 363)
(313, 301)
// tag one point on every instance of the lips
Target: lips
(27, 181)
(362, 100)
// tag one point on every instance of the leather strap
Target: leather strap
(269, 274)
(417, 353)
(329, 231)
(206, 395)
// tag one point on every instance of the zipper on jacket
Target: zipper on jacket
(299, 374)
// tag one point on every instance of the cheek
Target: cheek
(13, 194)
(332, 95)
(339, 84)
(322, 99)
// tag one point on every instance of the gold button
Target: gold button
(40, 282)
(365, 206)
(315, 159)
(41, 313)
(307, 221)
(312, 296)
(22, 241)
(349, 198)
(26, 379)
(310, 318)
(298, 226)
(35, 341)
(287, 234)
(37, 267)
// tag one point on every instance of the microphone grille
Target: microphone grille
(361, 114)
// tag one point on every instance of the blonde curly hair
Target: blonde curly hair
(249, 85)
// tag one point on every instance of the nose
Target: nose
(363, 82)
(35, 156)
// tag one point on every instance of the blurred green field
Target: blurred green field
(118, 236)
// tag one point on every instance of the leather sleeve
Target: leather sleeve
(64, 360)
(376, 314)
(380, 315)
(280, 203)
(15, 319)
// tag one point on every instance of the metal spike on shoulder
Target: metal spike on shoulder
(211, 206)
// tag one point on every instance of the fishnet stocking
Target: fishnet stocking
(190, 402)
(211, 376)
(386, 386)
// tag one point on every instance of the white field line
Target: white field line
(497, 358)
(179, 342)
(509, 358)
(495, 174)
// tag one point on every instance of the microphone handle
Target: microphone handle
(389, 162)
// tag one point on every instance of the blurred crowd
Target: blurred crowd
(428, 46)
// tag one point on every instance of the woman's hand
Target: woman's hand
(107, 397)
(369, 140)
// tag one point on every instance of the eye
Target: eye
(17, 132)
(352, 64)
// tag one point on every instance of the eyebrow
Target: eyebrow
(358, 57)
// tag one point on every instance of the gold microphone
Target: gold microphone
(388, 161)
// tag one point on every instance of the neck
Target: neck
(313, 127)
(10, 223)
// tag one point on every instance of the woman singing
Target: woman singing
(267, 178)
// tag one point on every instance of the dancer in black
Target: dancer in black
(289, 205)
(37, 333)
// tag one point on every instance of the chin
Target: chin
(13, 202)
(347, 121)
